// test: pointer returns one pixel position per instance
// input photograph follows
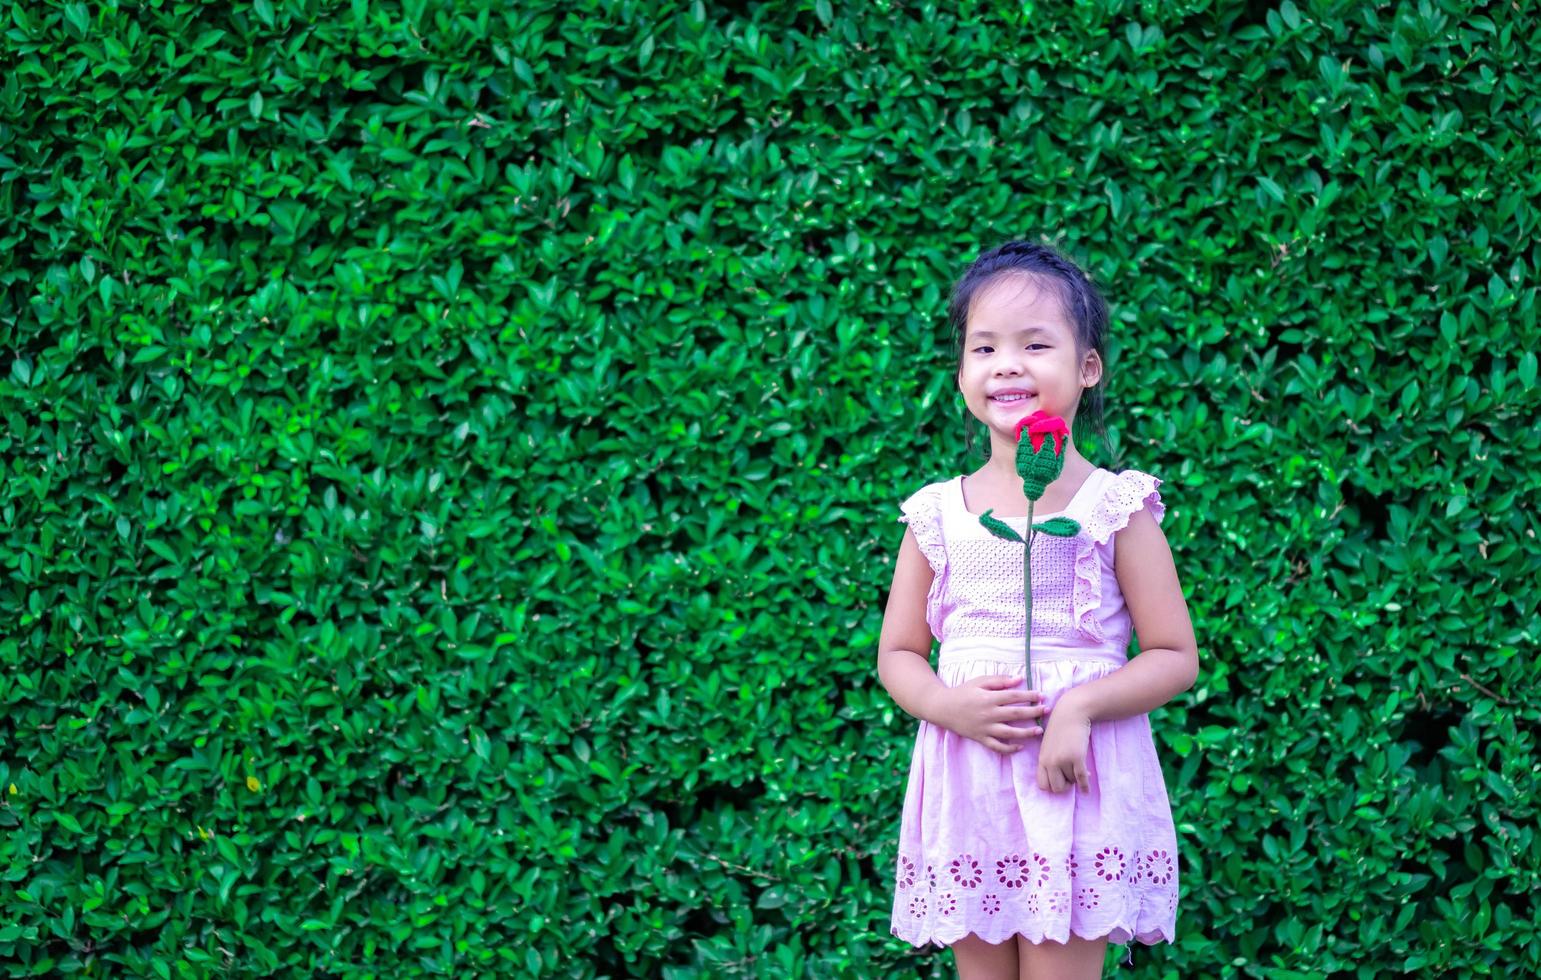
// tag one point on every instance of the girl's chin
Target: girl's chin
(1012, 414)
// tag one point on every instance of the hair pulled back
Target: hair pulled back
(1078, 296)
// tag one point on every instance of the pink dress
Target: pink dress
(982, 849)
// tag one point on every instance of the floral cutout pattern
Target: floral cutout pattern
(1107, 880)
(1110, 864)
(1015, 870)
(1157, 867)
(1011, 871)
(965, 871)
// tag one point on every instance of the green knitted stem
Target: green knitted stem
(1059, 527)
(998, 527)
(1027, 590)
(1038, 470)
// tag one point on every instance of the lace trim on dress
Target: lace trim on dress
(1122, 495)
(923, 513)
(1136, 890)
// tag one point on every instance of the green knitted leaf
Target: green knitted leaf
(1059, 527)
(998, 527)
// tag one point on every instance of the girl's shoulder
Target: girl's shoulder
(1124, 493)
(928, 497)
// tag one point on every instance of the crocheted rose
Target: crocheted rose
(1038, 466)
(1040, 461)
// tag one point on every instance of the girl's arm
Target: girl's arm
(1168, 661)
(904, 647)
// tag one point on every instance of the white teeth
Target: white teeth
(1011, 398)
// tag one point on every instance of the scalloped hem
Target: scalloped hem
(1119, 936)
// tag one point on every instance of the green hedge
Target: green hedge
(452, 455)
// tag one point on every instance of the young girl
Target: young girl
(1036, 823)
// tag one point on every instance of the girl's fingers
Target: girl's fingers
(1004, 731)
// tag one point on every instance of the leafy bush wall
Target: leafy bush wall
(452, 453)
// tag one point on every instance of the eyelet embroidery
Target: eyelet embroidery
(1115, 878)
(1110, 864)
(1042, 877)
(1157, 867)
(1011, 871)
(966, 871)
(1122, 495)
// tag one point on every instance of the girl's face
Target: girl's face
(1019, 339)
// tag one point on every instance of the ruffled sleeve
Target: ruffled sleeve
(1125, 494)
(1122, 496)
(923, 513)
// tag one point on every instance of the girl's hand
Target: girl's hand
(1062, 756)
(981, 707)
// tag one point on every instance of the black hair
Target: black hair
(1077, 294)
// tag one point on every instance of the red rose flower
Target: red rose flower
(1040, 424)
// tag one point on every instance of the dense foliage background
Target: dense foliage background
(452, 454)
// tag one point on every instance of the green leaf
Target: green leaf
(1527, 369)
(998, 527)
(78, 17)
(773, 897)
(1438, 249)
(1059, 527)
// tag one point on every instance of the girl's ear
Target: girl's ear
(1091, 369)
